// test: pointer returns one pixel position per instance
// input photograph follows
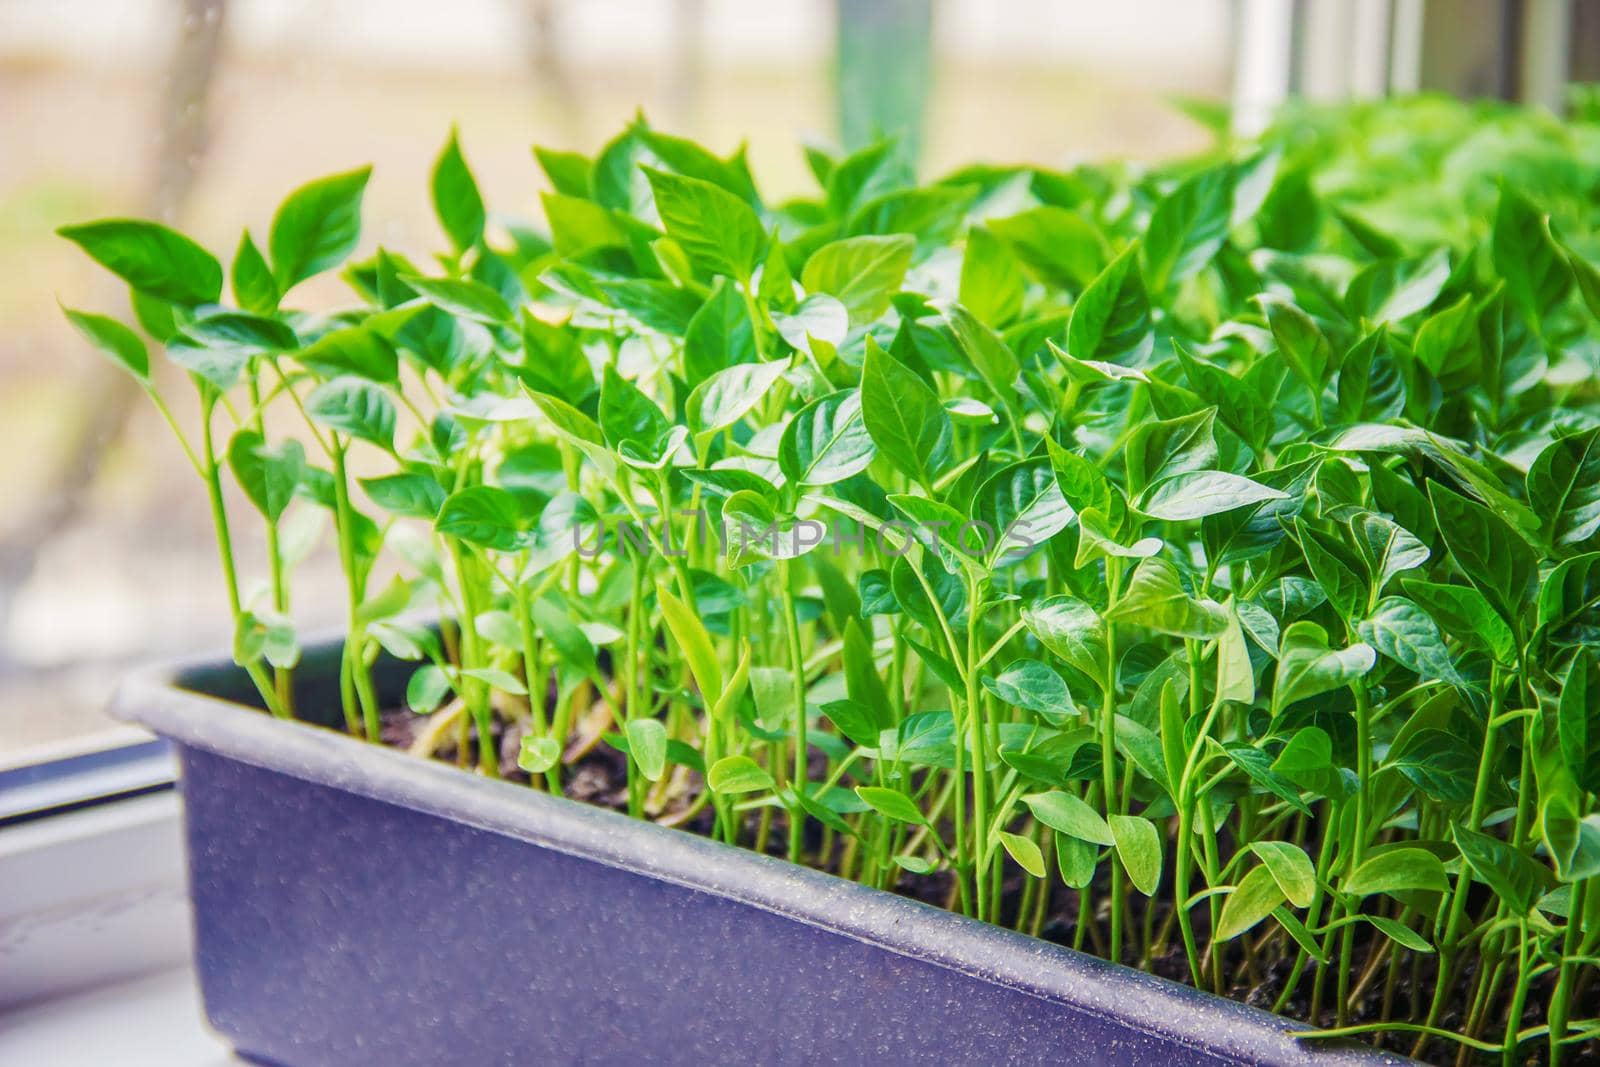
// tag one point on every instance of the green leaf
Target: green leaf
(1188, 227)
(1025, 851)
(1399, 933)
(1536, 274)
(693, 644)
(1398, 870)
(1060, 244)
(1076, 861)
(1464, 612)
(1252, 900)
(463, 297)
(717, 229)
(1036, 687)
(1196, 494)
(553, 362)
(254, 287)
(118, 342)
(1291, 868)
(647, 745)
(826, 441)
(1491, 555)
(903, 416)
(356, 407)
(265, 635)
(317, 227)
(1155, 599)
(1307, 667)
(1399, 629)
(268, 474)
(427, 689)
(155, 260)
(1139, 848)
(991, 279)
(1167, 447)
(353, 350)
(628, 417)
(728, 395)
(1564, 489)
(1022, 507)
(495, 678)
(1067, 814)
(1301, 343)
(856, 721)
(731, 775)
(1111, 319)
(537, 755)
(862, 273)
(456, 200)
(891, 804)
(1071, 629)
(1514, 878)
(418, 496)
(483, 515)
(1578, 721)
(985, 350)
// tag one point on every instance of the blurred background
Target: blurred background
(204, 113)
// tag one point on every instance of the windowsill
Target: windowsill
(150, 1021)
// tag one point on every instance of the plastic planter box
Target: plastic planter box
(354, 904)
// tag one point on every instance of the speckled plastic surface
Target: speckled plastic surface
(354, 905)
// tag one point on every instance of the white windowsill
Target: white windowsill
(151, 1021)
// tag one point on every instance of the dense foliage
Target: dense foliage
(1204, 560)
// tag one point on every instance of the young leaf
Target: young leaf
(1155, 598)
(1195, 494)
(427, 689)
(903, 416)
(1067, 814)
(1536, 274)
(891, 804)
(1139, 848)
(1025, 851)
(738, 774)
(154, 259)
(268, 474)
(728, 395)
(694, 643)
(316, 227)
(456, 200)
(647, 745)
(1489, 553)
(254, 287)
(483, 515)
(1188, 227)
(719, 230)
(1564, 488)
(1071, 629)
(1111, 319)
(1252, 900)
(1022, 507)
(1307, 667)
(115, 340)
(1398, 870)
(991, 280)
(861, 272)
(356, 407)
(826, 441)
(1291, 868)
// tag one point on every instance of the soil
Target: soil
(1258, 965)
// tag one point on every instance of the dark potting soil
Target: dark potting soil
(1256, 969)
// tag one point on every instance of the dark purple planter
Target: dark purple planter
(355, 905)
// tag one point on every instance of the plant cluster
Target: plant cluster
(1212, 555)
